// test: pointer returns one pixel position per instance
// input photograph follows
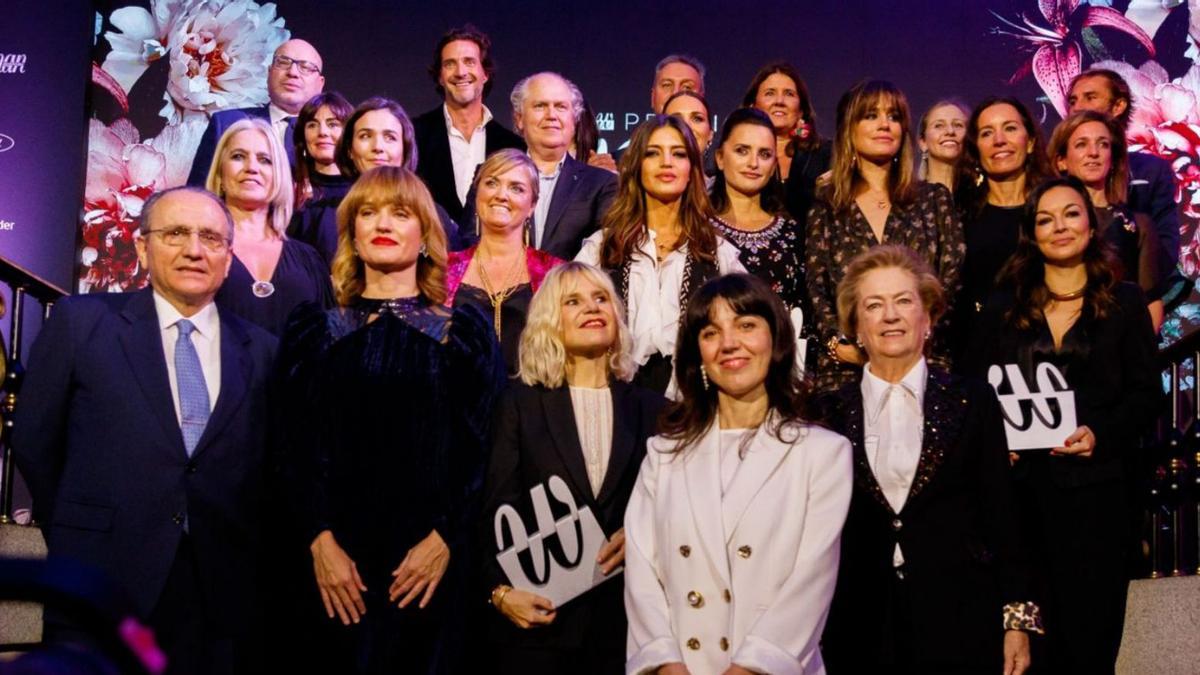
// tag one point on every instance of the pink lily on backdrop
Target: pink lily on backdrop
(1057, 54)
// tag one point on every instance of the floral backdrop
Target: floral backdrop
(163, 67)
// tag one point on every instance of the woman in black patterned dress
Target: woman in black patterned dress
(746, 196)
(873, 197)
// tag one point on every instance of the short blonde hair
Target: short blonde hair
(929, 287)
(282, 194)
(503, 161)
(542, 356)
(389, 185)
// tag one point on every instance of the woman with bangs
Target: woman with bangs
(572, 415)
(271, 274)
(1004, 159)
(388, 397)
(873, 197)
(658, 241)
(320, 184)
(1091, 147)
(500, 273)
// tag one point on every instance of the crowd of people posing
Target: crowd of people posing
(756, 354)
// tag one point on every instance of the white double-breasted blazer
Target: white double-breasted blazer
(746, 578)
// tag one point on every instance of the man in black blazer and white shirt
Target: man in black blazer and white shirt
(573, 197)
(454, 138)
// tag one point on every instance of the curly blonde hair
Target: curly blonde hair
(542, 355)
(398, 187)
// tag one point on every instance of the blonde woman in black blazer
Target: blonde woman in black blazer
(572, 415)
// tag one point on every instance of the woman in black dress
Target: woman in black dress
(1061, 304)
(390, 396)
(573, 415)
(501, 272)
(320, 185)
(271, 274)
(1091, 147)
(933, 576)
(873, 197)
(1004, 159)
(778, 90)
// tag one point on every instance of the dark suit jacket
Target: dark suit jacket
(1152, 191)
(535, 437)
(98, 442)
(434, 165)
(581, 198)
(958, 531)
(217, 124)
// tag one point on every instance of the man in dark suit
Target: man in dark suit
(141, 434)
(294, 77)
(454, 138)
(1151, 179)
(572, 196)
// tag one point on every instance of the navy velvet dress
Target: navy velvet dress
(389, 405)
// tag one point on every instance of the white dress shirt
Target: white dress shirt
(466, 155)
(206, 339)
(653, 306)
(893, 429)
(541, 211)
(279, 122)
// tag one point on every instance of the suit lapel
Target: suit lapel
(702, 472)
(852, 412)
(560, 418)
(624, 435)
(943, 420)
(442, 167)
(568, 180)
(143, 347)
(763, 456)
(235, 375)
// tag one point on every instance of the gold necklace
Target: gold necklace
(1067, 297)
(497, 298)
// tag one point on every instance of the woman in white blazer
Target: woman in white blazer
(733, 529)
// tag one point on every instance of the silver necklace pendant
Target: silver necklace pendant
(262, 289)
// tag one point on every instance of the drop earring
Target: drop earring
(704, 377)
(423, 252)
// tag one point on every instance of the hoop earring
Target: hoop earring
(704, 378)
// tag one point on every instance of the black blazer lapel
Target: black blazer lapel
(560, 420)
(564, 190)
(624, 435)
(851, 402)
(236, 371)
(142, 342)
(944, 410)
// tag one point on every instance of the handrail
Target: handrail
(18, 277)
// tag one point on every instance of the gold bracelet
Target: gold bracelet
(502, 590)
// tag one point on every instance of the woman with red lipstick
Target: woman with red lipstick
(574, 415)
(658, 241)
(933, 576)
(1091, 147)
(380, 133)
(873, 197)
(500, 274)
(732, 532)
(388, 400)
(1004, 159)
(320, 185)
(271, 274)
(940, 137)
(778, 90)
(1061, 303)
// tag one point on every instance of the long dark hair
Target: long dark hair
(853, 107)
(770, 199)
(625, 223)
(305, 166)
(970, 181)
(1025, 271)
(788, 395)
(346, 164)
(813, 141)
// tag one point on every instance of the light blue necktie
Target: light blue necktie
(193, 393)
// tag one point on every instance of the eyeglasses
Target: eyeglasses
(181, 236)
(282, 62)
